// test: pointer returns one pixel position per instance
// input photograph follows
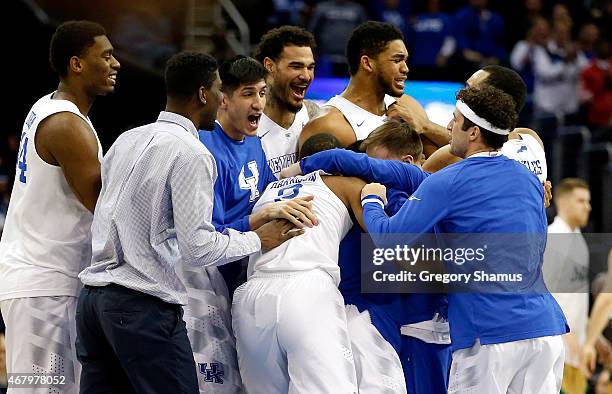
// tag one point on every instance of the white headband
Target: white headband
(482, 122)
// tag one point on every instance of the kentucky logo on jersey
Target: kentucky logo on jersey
(250, 182)
(214, 374)
(523, 148)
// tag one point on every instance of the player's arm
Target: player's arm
(599, 318)
(66, 140)
(391, 173)
(348, 190)
(331, 121)
(411, 111)
(440, 159)
(427, 206)
(297, 211)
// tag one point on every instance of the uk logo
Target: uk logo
(214, 374)
(250, 182)
(523, 148)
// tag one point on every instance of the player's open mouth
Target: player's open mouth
(298, 91)
(254, 120)
(113, 78)
(399, 82)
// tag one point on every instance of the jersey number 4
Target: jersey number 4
(21, 158)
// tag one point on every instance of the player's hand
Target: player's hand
(275, 233)
(547, 193)
(297, 211)
(587, 362)
(400, 110)
(293, 170)
(375, 189)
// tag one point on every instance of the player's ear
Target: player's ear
(475, 133)
(407, 159)
(202, 95)
(268, 64)
(224, 101)
(366, 63)
(75, 64)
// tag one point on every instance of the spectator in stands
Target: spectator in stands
(425, 39)
(588, 36)
(521, 57)
(561, 14)
(332, 23)
(480, 36)
(597, 86)
(557, 67)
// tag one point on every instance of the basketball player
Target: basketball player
(376, 56)
(289, 317)
(287, 53)
(521, 349)
(46, 239)
(242, 174)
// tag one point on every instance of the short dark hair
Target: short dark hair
(397, 137)
(568, 185)
(186, 72)
(495, 106)
(72, 38)
(319, 143)
(272, 43)
(240, 70)
(370, 38)
(509, 81)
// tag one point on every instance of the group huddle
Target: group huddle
(224, 250)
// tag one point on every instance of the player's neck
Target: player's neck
(79, 97)
(228, 129)
(364, 93)
(479, 148)
(572, 225)
(278, 113)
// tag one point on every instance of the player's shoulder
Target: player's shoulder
(516, 134)
(65, 126)
(329, 121)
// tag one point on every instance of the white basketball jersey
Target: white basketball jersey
(281, 144)
(528, 151)
(318, 246)
(47, 235)
(363, 122)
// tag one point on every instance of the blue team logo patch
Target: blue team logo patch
(212, 374)
(523, 148)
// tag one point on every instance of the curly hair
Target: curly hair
(494, 105)
(272, 43)
(370, 39)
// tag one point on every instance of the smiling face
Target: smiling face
(291, 76)
(242, 110)
(391, 68)
(99, 67)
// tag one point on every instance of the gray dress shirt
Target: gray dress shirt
(155, 210)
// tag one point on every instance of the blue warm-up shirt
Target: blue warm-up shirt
(489, 195)
(242, 175)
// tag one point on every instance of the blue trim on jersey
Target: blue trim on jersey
(242, 175)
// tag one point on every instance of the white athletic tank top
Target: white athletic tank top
(318, 246)
(281, 144)
(47, 235)
(529, 152)
(363, 122)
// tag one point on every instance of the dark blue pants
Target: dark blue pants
(426, 366)
(128, 341)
